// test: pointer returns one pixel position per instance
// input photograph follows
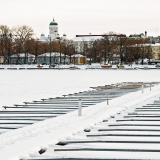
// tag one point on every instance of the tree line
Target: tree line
(111, 48)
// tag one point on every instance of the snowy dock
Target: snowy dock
(126, 135)
(35, 111)
(51, 128)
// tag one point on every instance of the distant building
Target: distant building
(53, 58)
(22, 58)
(154, 40)
(78, 59)
(91, 38)
(79, 39)
(1, 59)
(155, 51)
(138, 36)
(53, 33)
(87, 38)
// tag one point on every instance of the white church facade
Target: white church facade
(53, 33)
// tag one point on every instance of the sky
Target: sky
(75, 17)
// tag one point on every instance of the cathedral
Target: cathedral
(53, 33)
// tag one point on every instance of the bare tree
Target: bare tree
(96, 50)
(5, 42)
(84, 48)
(23, 34)
(108, 47)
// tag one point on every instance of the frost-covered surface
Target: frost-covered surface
(18, 86)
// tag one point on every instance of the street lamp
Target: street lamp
(142, 50)
(49, 42)
(60, 50)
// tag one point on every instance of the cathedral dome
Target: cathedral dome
(53, 23)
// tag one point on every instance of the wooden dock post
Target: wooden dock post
(107, 99)
(80, 107)
(142, 88)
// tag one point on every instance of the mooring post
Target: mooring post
(80, 107)
(150, 86)
(142, 88)
(107, 99)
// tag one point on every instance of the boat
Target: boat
(107, 66)
(73, 67)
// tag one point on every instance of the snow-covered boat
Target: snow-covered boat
(73, 67)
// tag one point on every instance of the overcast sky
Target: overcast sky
(83, 16)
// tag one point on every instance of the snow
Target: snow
(29, 139)
(53, 54)
(22, 55)
(86, 66)
(18, 86)
(31, 66)
(28, 85)
(77, 55)
(152, 45)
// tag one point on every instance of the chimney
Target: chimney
(145, 33)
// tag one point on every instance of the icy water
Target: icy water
(17, 86)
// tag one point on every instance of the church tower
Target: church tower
(53, 30)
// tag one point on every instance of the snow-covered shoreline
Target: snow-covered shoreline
(72, 66)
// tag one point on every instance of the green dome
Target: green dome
(53, 23)
(64, 34)
(42, 34)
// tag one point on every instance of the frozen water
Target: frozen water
(18, 86)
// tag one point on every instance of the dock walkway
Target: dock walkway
(120, 129)
(20, 115)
